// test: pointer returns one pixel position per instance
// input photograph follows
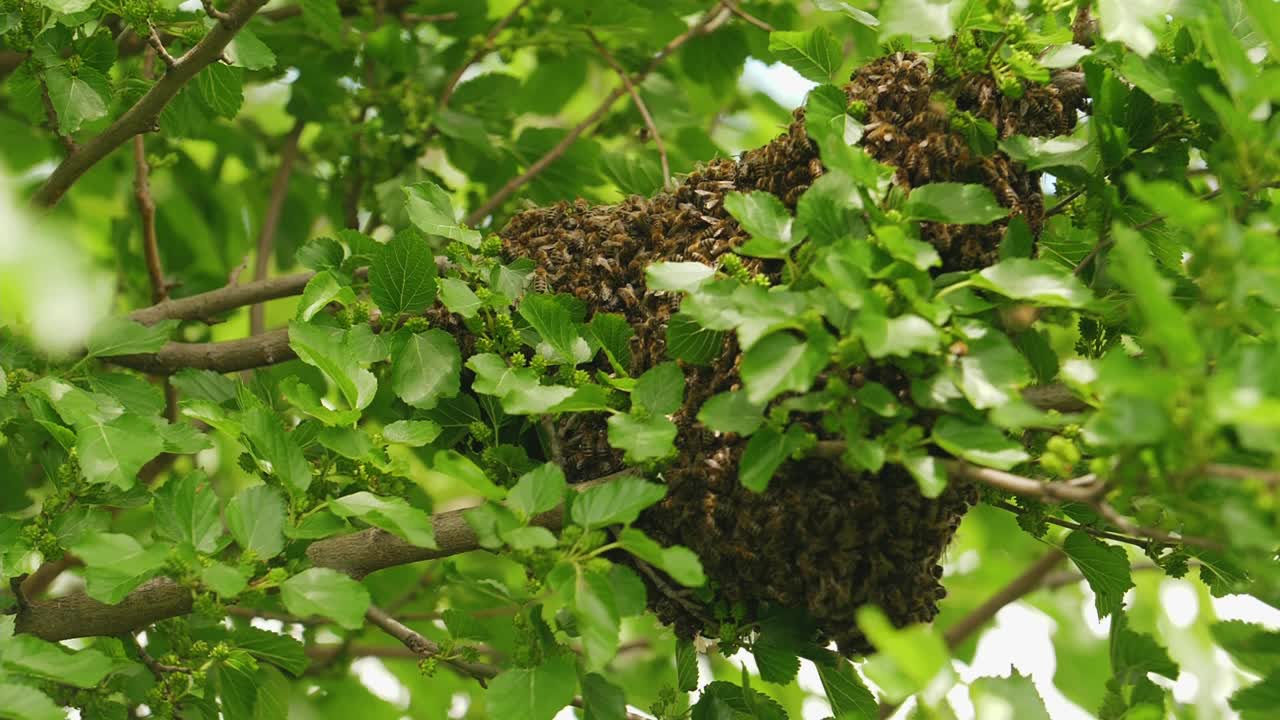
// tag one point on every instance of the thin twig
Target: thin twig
(37, 582)
(1029, 580)
(485, 47)
(271, 221)
(1127, 526)
(157, 46)
(640, 107)
(424, 648)
(147, 206)
(212, 11)
(1238, 472)
(1104, 534)
(1064, 202)
(143, 114)
(157, 668)
(437, 17)
(733, 8)
(708, 23)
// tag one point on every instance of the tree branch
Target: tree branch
(643, 109)
(424, 648)
(142, 116)
(147, 206)
(271, 221)
(1029, 580)
(452, 84)
(230, 356)
(208, 304)
(706, 24)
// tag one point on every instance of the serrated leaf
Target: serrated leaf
(29, 655)
(1105, 567)
(431, 210)
(980, 444)
(731, 411)
(815, 54)
(765, 453)
(677, 276)
(278, 452)
(535, 693)
(326, 593)
(393, 514)
(537, 491)
(221, 88)
(692, 343)
(74, 100)
(766, 219)
(660, 390)
(115, 451)
(1039, 281)
(187, 512)
(678, 562)
(414, 433)
(255, 517)
(427, 368)
(402, 276)
(122, 336)
(686, 666)
(954, 203)
(848, 695)
(556, 328)
(642, 439)
(618, 502)
(781, 363)
(920, 19)
(459, 298)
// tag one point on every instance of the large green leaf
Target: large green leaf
(402, 276)
(393, 514)
(431, 210)
(815, 54)
(533, 694)
(957, 203)
(256, 517)
(426, 368)
(326, 593)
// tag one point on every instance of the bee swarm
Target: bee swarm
(822, 538)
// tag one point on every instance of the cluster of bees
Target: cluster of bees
(822, 538)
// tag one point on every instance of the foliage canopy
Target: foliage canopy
(431, 331)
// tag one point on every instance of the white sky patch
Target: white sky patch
(378, 679)
(1248, 609)
(1180, 603)
(780, 82)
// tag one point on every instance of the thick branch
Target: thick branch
(1019, 586)
(271, 221)
(142, 116)
(230, 356)
(208, 304)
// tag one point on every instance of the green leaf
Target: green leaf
(236, 682)
(651, 438)
(1127, 21)
(692, 343)
(537, 491)
(677, 276)
(431, 210)
(815, 54)
(330, 350)
(277, 449)
(901, 335)
(955, 203)
(679, 562)
(556, 328)
(122, 336)
(414, 433)
(326, 593)
(597, 616)
(992, 372)
(929, 472)
(849, 697)
(1252, 645)
(1105, 567)
(224, 580)
(23, 702)
(533, 694)
(255, 517)
(827, 210)
(1258, 701)
(187, 512)
(459, 298)
(1056, 57)
(660, 390)
(221, 88)
(614, 334)
(910, 250)
(617, 502)
(280, 650)
(908, 660)
(602, 700)
(920, 19)
(765, 453)
(1041, 153)
(766, 219)
(1040, 281)
(426, 368)
(979, 444)
(114, 452)
(248, 52)
(117, 564)
(74, 100)
(781, 363)
(723, 700)
(321, 290)
(1015, 696)
(686, 666)
(860, 16)
(323, 20)
(731, 412)
(29, 655)
(402, 276)
(518, 388)
(454, 464)
(393, 514)
(1166, 323)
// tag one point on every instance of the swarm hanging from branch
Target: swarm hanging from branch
(822, 538)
